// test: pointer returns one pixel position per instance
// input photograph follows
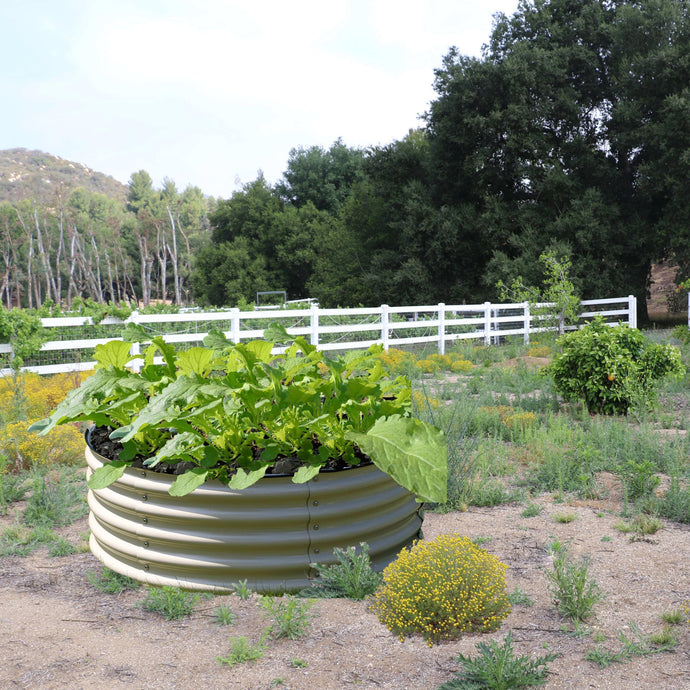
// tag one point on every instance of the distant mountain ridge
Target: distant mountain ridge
(37, 175)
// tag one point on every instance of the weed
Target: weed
(602, 656)
(352, 577)
(532, 510)
(290, 614)
(640, 525)
(564, 518)
(61, 547)
(575, 593)
(12, 487)
(241, 651)
(606, 538)
(478, 541)
(224, 615)
(241, 589)
(639, 478)
(276, 682)
(673, 617)
(519, 598)
(492, 493)
(171, 602)
(675, 504)
(556, 547)
(52, 504)
(298, 663)
(645, 645)
(497, 668)
(110, 582)
(18, 540)
(634, 644)
(579, 630)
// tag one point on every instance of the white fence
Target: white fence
(328, 329)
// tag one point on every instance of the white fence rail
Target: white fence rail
(328, 329)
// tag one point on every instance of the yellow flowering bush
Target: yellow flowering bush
(396, 361)
(428, 365)
(539, 351)
(460, 365)
(423, 402)
(41, 394)
(24, 449)
(520, 420)
(441, 589)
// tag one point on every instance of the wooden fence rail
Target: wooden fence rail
(327, 329)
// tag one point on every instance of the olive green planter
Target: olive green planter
(267, 534)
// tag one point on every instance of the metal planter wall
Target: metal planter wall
(267, 534)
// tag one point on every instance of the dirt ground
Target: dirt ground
(58, 631)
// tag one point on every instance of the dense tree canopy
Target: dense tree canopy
(560, 135)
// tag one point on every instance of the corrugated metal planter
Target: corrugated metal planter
(268, 534)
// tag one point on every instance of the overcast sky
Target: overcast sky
(210, 92)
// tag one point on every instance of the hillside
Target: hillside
(37, 175)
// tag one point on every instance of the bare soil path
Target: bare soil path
(58, 631)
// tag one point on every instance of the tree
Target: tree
(258, 242)
(322, 177)
(551, 136)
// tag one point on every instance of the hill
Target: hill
(37, 175)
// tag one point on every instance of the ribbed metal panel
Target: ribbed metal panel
(268, 534)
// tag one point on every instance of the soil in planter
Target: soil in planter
(100, 442)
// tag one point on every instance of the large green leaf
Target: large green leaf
(242, 479)
(115, 353)
(412, 452)
(305, 473)
(106, 475)
(196, 360)
(187, 482)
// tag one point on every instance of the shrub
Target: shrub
(40, 394)
(441, 589)
(611, 368)
(352, 577)
(24, 450)
(396, 361)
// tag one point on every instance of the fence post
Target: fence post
(441, 328)
(384, 326)
(632, 311)
(314, 323)
(487, 324)
(235, 325)
(134, 351)
(528, 319)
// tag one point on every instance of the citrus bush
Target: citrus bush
(611, 367)
(441, 589)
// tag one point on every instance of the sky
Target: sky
(213, 93)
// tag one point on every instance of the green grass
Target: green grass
(170, 602)
(109, 581)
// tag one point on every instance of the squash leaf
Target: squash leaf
(242, 479)
(106, 475)
(412, 452)
(305, 473)
(114, 353)
(187, 482)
